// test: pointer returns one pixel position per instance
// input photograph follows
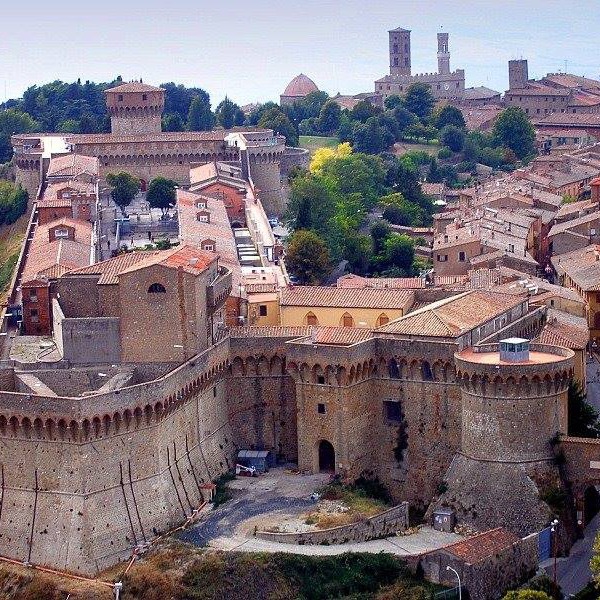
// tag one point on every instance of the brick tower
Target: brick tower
(443, 54)
(518, 74)
(135, 108)
(399, 51)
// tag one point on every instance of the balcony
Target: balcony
(219, 290)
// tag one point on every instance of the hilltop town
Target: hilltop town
(392, 296)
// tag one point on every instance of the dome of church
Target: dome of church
(300, 86)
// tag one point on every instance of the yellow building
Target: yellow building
(343, 307)
(263, 304)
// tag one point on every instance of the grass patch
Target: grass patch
(6, 272)
(363, 499)
(222, 491)
(314, 142)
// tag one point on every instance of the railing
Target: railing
(545, 348)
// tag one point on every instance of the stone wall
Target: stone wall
(385, 524)
(95, 340)
(91, 477)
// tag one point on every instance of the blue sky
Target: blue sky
(251, 49)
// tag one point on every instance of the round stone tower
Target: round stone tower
(514, 402)
(135, 108)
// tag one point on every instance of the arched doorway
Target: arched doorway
(591, 500)
(143, 185)
(326, 456)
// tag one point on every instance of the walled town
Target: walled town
(204, 313)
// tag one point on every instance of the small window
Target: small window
(61, 233)
(461, 257)
(321, 408)
(34, 315)
(321, 379)
(511, 248)
(262, 310)
(201, 204)
(120, 97)
(311, 319)
(383, 320)
(33, 296)
(156, 288)
(347, 320)
(393, 412)
(144, 97)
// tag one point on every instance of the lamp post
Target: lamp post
(449, 568)
(553, 532)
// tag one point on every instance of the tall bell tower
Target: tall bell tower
(399, 51)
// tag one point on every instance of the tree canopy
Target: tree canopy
(449, 115)
(419, 100)
(123, 188)
(229, 114)
(513, 130)
(307, 257)
(162, 193)
(12, 121)
(275, 119)
(13, 202)
(583, 417)
(199, 116)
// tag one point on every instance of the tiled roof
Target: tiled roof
(570, 119)
(346, 297)
(481, 117)
(72, 165)
(479, 93)
(145, 138)
(135, 86)
(50, 195)
(482, 546)
(300, 86)
(566, 225)
(269, 331)
(49, 259)
(582, 266)
(433, 189)
(562, 329)
(453, 316)
(573, 208)
(191, 260)
(401, 283)
(338, 336)
(193, 232)
(260, 288)
(538, 90)
(571, 81)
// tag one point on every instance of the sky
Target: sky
(250, 50)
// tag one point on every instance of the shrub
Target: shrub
(444, 153)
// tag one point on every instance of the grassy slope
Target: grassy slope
(11, 238)
(313, 142)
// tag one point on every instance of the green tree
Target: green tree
(312, 205)
(449, 115)
(12, 121)
(398, 211)
(399, 252)
(583, 417)
(369, 137)
(526, 595)
(278, 121)
(162, 194)
(13, 202)
(453, 137)
(256, 114)
(329, 117)
(199, 116)
(229, 114)
(364, 110)
(124, 187)
(393, 101)
(513, 130)
(357, 250)
(380, 232)
(172, 122)
(404, 118)
(419, 100)
(307, 257)
(68, 126)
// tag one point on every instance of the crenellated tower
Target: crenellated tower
(135, 108)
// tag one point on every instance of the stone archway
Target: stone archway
(591, 503)
(326, 457)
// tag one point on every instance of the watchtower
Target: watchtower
(135, 108)
(443, 54)
(514, 402)
(518, 74)
(399, 51)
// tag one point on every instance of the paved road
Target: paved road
(230, 526)
(573, 572)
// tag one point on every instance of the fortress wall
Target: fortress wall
(83, 518)
(29, 178)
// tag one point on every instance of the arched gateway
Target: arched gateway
(326, 456)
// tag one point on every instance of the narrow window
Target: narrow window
(321, 408)
(311, 319)
(262, 310)
(392, 411)
(156, 288)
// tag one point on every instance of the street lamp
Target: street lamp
(553, 532)
(449, 568)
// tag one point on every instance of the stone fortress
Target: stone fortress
(136, 144)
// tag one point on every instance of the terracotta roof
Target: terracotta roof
(571, 81)
(260, 288)
(72, 165)
(453, 316)
(50, 195)
(203, 175)
(570, 120)
(581, 266)
(49, 259)
(482, 546)
(538, 90)
(346, 297)
(145, 138)
(567, 225)
(338, 336)
(269, 331)
(194, 232)
(433, 189)
(400, 283)
(479, 93)
(191, 260)
(300, 86)
(134, 86)
(562, 329)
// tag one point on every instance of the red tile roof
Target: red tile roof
(134, 86)
(270, 331)
(300, 86)
(562, 329)
(72, 165)
(346, 297)
(453, 316)
(401, 283)
(482, 546)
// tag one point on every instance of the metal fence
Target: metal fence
(451, 594)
